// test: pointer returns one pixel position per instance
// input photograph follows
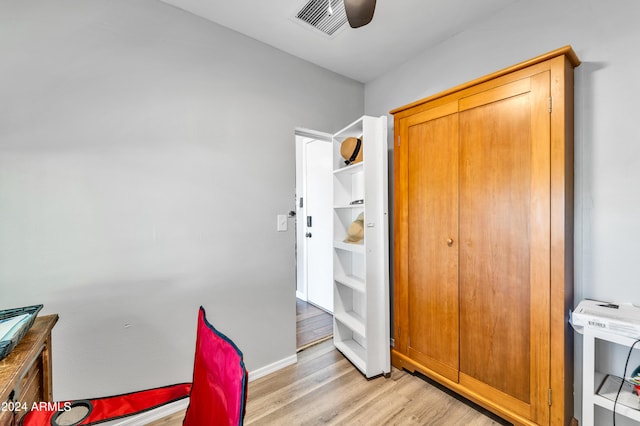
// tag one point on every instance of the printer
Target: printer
(622, 319)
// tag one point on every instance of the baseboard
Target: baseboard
(151, 416)
(272, 368)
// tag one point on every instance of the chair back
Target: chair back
(218, 393)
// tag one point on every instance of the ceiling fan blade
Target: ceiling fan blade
(359, 12)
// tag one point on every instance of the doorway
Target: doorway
(314, 216)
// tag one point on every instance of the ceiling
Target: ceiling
(399, 30)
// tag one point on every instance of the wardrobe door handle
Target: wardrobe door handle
(450, 242)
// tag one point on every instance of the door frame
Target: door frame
(302, 138)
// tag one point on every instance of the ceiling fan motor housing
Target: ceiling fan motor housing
(359, 12)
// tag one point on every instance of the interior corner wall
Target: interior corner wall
(144, 156)
(605, 35)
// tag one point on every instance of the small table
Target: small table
(25, 374)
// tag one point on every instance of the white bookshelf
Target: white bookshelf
(361, 270)
(592, 379)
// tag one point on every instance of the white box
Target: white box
(622, 319)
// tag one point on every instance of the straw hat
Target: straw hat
(351, 150)
(355, 233)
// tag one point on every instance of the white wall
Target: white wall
(144, 155)
(606, 36)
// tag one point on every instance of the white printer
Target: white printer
(622, 319)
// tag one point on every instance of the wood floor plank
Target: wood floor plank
(336, 393)
(270, 399)
(312, 324)
(369, 411)
(312, 362)
(324, 388)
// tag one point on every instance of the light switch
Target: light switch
(282, 222)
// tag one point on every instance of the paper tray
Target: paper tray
(9, 343)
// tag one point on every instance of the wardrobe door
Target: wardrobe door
(505, 245)
(432, 238)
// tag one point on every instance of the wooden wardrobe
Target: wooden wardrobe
(483, 239)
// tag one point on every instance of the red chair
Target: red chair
(217, 394)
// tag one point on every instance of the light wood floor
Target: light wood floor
(323, 388)
(313, 325)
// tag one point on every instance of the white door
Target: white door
(314, 220)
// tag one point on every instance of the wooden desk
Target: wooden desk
(25, 374)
